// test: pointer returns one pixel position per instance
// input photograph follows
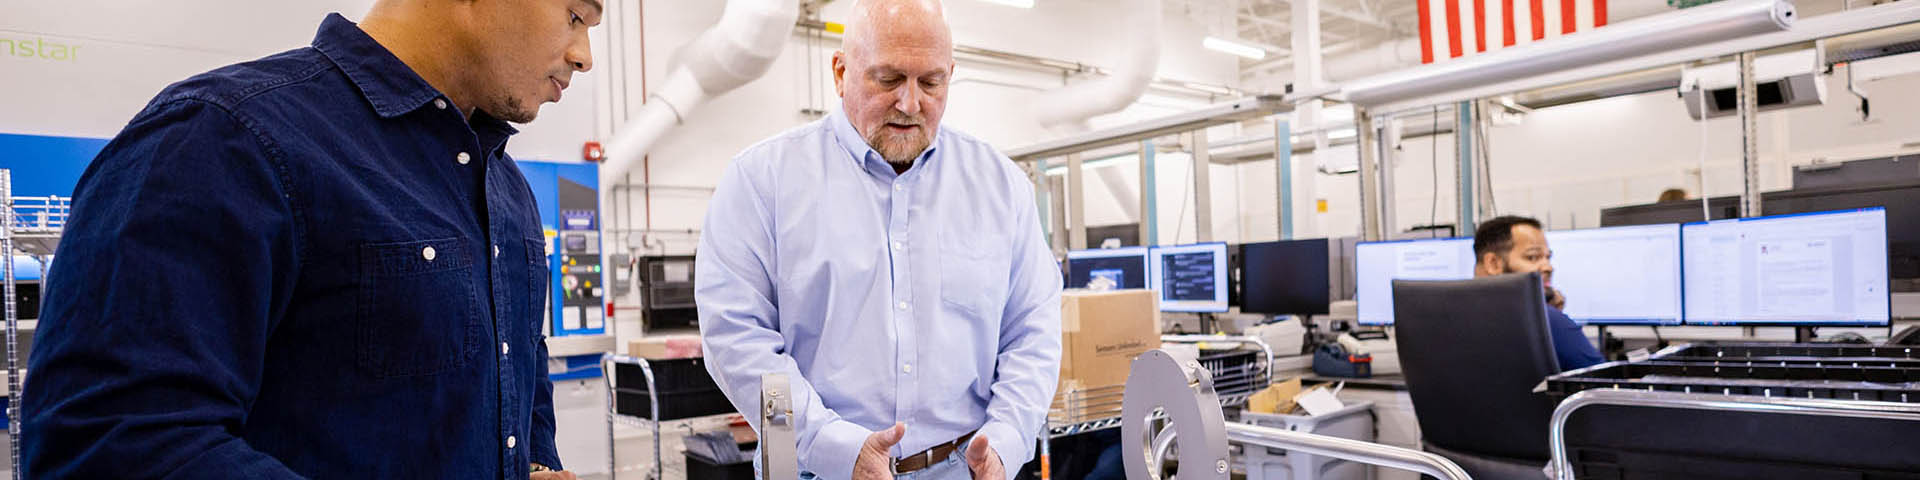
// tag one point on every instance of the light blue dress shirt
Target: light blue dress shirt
(928, 298)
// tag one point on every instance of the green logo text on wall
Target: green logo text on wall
(38, 48)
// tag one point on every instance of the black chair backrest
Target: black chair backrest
(1472, 352)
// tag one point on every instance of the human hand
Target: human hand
(984, 461)
(875, 462)
(1555, 299)
(554, 475)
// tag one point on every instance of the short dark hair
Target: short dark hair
(1496, 235)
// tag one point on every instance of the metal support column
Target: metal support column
(1749, 140)
(1283, 175)
(1043, 198)
(1202, 188)
(1465, 180)
(1149, 197)
(1389, 156)
(1076, 204)
(1369, 175)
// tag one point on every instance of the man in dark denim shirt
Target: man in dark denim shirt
(317, 264)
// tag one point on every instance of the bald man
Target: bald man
(319, 264)
(891, 267)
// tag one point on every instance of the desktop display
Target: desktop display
(1813, 269)
(1619, 275)
(1378, 264)
(1285, 277)
(1190, 278)
(1126, 267)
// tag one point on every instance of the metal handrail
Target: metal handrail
(1347, 449)
(607, 360)
(1563, 469)
(40, 213)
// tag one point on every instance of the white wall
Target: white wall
(129, 51)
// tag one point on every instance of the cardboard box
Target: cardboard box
(1101, 332)
(665, 347)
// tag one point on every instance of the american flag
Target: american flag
(1459, 28)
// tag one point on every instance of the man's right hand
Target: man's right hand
(876, 461)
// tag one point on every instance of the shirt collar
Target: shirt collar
(857, 148)
(390, 85)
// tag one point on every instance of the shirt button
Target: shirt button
(463, 158)
(427, 253)
(496, 250)
(511, 441)
(899, 245)
(906, 368)
(440, 103)
(901, 306)
(503, 348)
(898, 188)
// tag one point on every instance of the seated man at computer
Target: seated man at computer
(1512, 244)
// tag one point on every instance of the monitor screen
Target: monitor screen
(1378, 264)
(1826, 268)
(1618, 275)
(1127, 267)
(1190, 278)
(1286, 277)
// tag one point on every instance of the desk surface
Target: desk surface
(1377, 382)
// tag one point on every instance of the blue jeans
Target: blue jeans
(953, 468)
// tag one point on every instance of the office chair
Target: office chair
(1472, 352)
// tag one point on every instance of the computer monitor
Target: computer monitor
(1378, 264)
(1285, 277)
(1619, 275)
(1810, 269)
(1190, 278)
(1127, 267)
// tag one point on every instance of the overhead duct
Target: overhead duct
(1694, 26)
(1786, 80)
(734, 51)
(1066, 109)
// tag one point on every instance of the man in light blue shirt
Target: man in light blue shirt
(894, 270)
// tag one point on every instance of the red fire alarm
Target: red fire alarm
(593, 153)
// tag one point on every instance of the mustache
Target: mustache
(904, 119)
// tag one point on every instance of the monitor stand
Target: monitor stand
(1803, 334)
(1207, 324)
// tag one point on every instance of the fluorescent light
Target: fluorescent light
(1236, 48)
(1342, 133)
(1012, 3)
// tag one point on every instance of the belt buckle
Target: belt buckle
(894, 463)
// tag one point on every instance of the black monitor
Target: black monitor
(1681, 211)
(1285, 277)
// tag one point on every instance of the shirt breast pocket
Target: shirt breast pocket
(417, 313)
(974, 274)
(539, 279)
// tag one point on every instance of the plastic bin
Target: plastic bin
(684, 388)
(1355, 421)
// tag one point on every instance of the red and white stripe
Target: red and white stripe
(1459, 28)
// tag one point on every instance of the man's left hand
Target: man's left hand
(983, 461)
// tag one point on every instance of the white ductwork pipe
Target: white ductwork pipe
(1067, 109)
(734, 51)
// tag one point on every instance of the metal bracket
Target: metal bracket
(778, 460)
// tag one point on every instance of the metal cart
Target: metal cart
(1099, 409)
(31, 226)
(613, 416)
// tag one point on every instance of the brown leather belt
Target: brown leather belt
(930, 457)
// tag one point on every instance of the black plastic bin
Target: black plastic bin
(684, 388)
(1612, 442)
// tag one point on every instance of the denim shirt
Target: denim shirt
(307, 265)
